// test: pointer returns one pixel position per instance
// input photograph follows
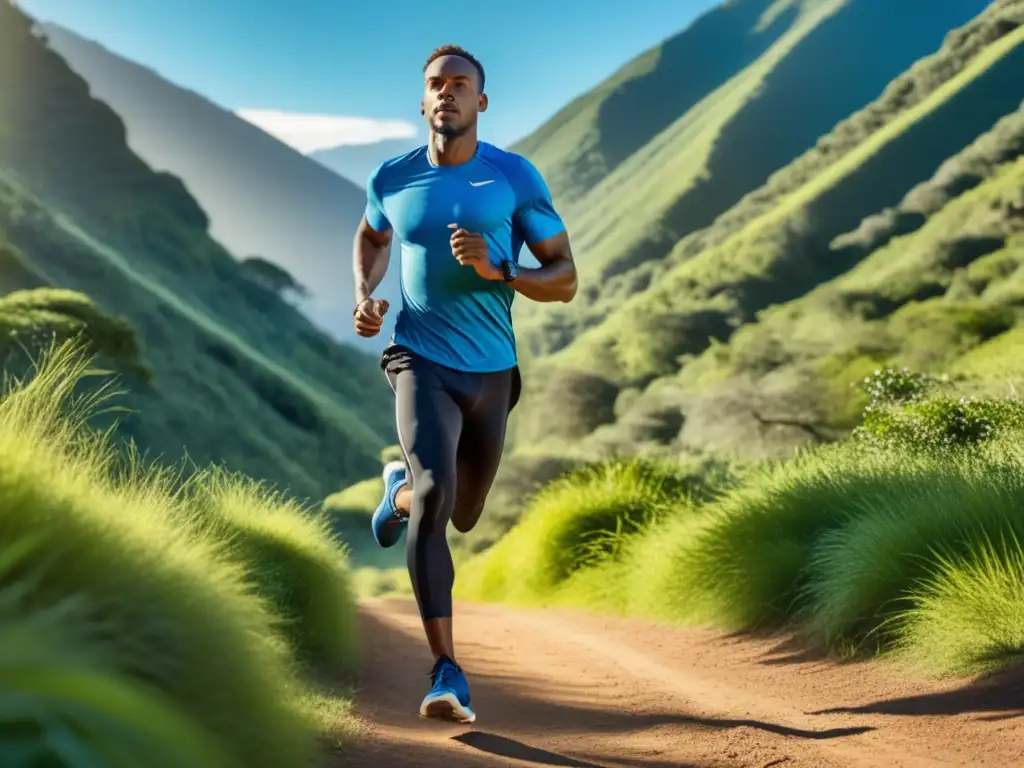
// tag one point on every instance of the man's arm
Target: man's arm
(555, 279)
(545, 235)
(371, 252)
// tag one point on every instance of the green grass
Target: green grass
(62, 706)
(299, 566)
(969, 616)
(861, 574)
(153, 616)
(578, 520)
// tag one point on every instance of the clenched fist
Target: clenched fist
(369, 316)
(470, 250)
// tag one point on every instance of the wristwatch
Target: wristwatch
(509, 270)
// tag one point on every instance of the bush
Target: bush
(901, 414)
(29, 319)
(891, 386)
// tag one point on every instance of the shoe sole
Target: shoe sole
(447, 707)
(392, 467)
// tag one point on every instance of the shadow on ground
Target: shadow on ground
(501, 746)
(998, 696)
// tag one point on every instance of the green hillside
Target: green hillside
(238, 375)
(779, 241)
(262, 197)
(945, 298)
(679, 135)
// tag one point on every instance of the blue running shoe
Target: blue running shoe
(387, 523)
(449, 694)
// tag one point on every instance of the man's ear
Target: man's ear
(423, 107)
(483, 103)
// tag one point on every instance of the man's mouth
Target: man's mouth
(446, 108)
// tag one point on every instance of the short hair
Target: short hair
(462, 53)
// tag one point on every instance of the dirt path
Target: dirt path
(556, 688)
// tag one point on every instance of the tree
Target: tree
(272, 277)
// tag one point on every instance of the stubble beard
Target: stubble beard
(449, 131)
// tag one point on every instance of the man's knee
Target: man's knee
(465, 518)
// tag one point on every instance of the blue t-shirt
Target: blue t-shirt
(449, 314)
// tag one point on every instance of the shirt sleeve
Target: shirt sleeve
(375, 215)
(535, 215)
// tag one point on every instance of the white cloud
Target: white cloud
(309, 133)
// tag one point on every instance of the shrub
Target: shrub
(941, 423)
(890, 385)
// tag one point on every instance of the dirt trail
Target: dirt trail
(564, 689)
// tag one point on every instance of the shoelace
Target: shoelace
(442, 671)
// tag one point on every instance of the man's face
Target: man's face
(451, 95)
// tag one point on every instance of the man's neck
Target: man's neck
(452, 150)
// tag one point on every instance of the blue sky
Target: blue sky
(364, 59)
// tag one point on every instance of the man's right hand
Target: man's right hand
(369, 316)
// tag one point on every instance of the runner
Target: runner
(462, 209)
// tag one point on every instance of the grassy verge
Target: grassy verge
(146, 622)
(901, 541)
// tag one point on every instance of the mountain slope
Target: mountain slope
(262, 197)
(945, 297)
(794, 69)
(820, 196)
(239, 376)
(589, 137)
(774, 244)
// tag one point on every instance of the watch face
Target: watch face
(511, 270)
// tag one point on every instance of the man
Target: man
(462, 209)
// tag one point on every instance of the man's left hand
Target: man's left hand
(470, 250)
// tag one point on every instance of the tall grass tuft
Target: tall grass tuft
(968, 615)
(863, 574)
(61, 705)
(743, 567)
(143, 613)
(295, 562)
(578, 521)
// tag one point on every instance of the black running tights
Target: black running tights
(451, 426)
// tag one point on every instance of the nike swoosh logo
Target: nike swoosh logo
(480, 183)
